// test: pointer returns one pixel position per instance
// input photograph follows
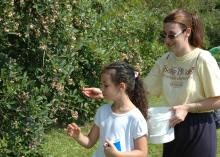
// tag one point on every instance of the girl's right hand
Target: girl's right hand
(73, 130)
(93, 93)
(109, 149)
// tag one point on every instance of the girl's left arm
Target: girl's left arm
(88, 141)
(140, 149)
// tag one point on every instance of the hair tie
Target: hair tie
(136, 73)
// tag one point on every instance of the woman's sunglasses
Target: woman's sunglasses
(171, 36)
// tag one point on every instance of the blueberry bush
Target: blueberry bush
(50, 50)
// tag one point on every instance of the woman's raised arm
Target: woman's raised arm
(93, 92)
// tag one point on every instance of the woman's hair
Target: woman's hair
(188, 20)
(123, 72)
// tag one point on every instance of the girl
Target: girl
(121, 124)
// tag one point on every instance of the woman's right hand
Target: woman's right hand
(73, 130)
(180, 113)
(93, 93)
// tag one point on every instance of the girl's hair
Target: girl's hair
(123, 72)
(188, 20)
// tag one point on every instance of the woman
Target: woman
(189, 79)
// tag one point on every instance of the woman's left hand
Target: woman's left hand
(109, 149)
(179, 114)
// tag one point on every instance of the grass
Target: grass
(58, 144)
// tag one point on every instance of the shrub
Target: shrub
(50, 49)
(24, 112)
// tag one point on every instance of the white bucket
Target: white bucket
(159, 130)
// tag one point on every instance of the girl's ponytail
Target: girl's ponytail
(139, 96)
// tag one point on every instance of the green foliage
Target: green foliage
(50, 50)
(24, 112)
